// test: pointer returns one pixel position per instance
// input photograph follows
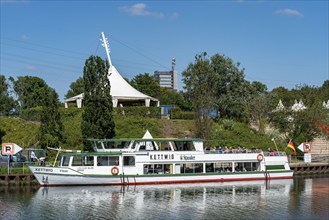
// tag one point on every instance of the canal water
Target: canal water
(298, 198)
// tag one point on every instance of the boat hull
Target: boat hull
(56, 177)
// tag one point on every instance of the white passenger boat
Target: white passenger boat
(160, 161)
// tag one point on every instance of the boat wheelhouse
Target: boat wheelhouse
(159, 160)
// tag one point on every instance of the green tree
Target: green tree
(172, 97)
(51, 128)
(232, 90)
(258, 109)
(76, 88)
(97, 119)
(258, 87)
(29, 90)
(299, 126)
(7, 103)
(258, 106)
(146, 84)
(324, 92)
(280, 93)
(199, 83)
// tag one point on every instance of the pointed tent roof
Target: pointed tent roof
(298, 106)
(280, 106)
(295, 106)
(302, 105)
(121, 90)
(326, 105)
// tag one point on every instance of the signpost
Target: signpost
(306, 147)
(10, 149)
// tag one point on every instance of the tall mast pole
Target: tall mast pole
(105, 44)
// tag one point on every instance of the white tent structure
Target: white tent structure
(121, 90)
(298, 106)
(280, 106)
(326, 105)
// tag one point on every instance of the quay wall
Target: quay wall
(19, 179)
(309, 168)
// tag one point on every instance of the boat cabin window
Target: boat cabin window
(128, 161)
(107, 161)
(83, 161)
(65, 161)
(144, 146)
(165, 146)
(116, 144)
(184, 146)
(157, 168)
(191, 168)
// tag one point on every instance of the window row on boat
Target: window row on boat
(164, 168)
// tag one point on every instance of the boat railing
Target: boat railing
(232, 151)
(247, 151)
(276, 153)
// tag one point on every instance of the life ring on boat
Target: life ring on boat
(260, 157)
(115, 171)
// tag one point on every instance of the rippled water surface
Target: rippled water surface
(299, 198)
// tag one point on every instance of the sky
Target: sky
(278, 43)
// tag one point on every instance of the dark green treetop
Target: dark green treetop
(97, 119)
(7, 103)
(76, 88)
(51, 128)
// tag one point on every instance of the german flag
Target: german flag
(292, 147)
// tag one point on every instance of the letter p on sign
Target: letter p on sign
(8, 149)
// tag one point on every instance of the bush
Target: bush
(141, 111)
(32, 114)
(177, 113)
(227, 124)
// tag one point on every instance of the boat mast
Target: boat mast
(105, 44)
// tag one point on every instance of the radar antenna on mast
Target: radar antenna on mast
(105, 44)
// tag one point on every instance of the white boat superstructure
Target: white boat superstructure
(159, 161)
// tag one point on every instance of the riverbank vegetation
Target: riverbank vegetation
(218, 104)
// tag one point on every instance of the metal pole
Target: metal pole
(276, 147)
(57, 155)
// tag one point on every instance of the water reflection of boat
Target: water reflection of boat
(141, 202)
(155, 161)
(235, 187)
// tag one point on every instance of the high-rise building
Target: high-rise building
(167, 79)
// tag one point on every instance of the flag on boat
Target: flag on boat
(292, 147)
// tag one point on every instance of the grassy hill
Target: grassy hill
(25, 133)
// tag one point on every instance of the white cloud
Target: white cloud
(25, 37)
(140, 9)
(31, 68)
(290, 12)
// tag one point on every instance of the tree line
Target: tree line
(215, 89)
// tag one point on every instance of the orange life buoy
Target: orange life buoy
(260, 157)
(115, 171)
